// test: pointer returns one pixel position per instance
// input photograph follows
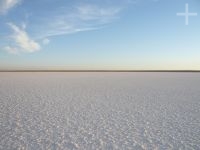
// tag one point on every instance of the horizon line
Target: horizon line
(38, 70)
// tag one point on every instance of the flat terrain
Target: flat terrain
(99, 111)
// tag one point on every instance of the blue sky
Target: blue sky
(100, 34)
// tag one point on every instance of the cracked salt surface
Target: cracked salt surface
(99, 111)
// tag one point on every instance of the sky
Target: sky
(99, 35)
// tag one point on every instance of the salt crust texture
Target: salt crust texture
(99, 111)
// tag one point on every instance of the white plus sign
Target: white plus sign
(187, 14)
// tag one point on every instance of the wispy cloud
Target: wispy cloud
(22, 42)
(6, 5)
(46, 41)
(81, 18)
(93, 12)
(11, 50)
(61, 20)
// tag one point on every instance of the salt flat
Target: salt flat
(99, 111)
